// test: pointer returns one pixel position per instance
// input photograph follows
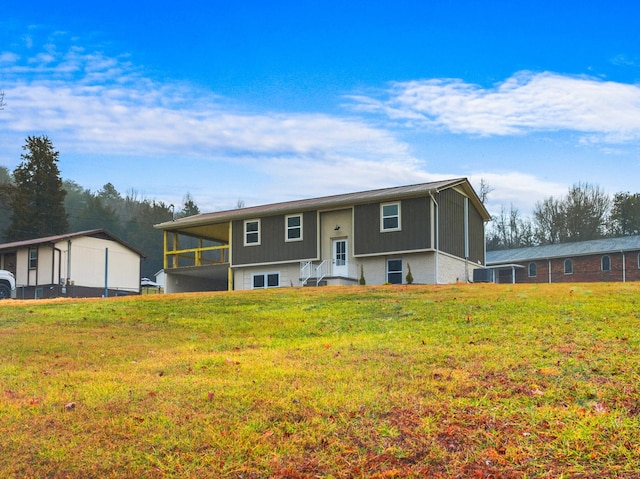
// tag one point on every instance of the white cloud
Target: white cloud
(521, 190)
(526, 102)
(96, 106)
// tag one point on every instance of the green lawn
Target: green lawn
(480, 381)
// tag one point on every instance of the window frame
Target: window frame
(247, 233)
(602, 265)
(33, 258)
(266, 278)
(532, 266)
(288, 228)
(569, 262)
(399, 272)
(398, 217)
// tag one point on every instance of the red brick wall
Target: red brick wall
(585, 269)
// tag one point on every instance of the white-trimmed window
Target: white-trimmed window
(265, 280)
(394, 271)
(568, 266)
(390, 217)
(251, 232)
(533, 270)
(33, 258)
(606, 263)
(293, 225)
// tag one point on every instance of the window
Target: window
(266, 280)
(394, 271)
(606, 263)
(568, 266)
(294, 228)
(533, 270)
(33, 258)
(390, 217)
(251, 232)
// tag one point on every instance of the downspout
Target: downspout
(624, 268)
(53, 262)
(549, 270)
(466, 239)
(68, 261)
(437, 234)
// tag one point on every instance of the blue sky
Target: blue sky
(281, 100)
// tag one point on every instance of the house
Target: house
(436, 230)
(609, 259)
(85, 264)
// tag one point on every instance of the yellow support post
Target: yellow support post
(175, 248)
(165, 259)
(230, 272)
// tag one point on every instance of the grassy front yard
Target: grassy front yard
(511, 381)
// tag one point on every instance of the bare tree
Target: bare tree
(2, 102)
(510, 230)
(581, 215)
(484, 190)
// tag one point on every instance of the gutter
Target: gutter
(436, 233)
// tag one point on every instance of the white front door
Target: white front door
(339, 258)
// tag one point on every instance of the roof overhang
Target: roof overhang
(204, 225)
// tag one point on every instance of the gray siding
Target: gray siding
(273, 247)
(414, 235)
(451, 219)
(451, 215)
(476, 236)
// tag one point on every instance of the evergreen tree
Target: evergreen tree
(6, 191)
(37, 201)
(189, 207)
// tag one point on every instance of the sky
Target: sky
(260, 102)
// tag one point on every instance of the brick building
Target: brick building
(610, 259)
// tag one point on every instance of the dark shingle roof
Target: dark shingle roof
(324, 202)
(582, 248)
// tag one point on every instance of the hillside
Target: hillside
(415, 381)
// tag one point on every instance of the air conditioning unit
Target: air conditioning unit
(483, 275)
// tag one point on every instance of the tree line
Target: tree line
(36, 202)
(586, 212)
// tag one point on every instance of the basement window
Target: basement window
(394, 271)
(266, 280)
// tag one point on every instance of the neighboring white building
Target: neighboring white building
(85, 264)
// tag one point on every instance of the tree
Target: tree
(2, 103)
(189, 207)
(510, 230)
(95, 215)
(585, 210)
(37, 201)
(548, 221)
(625, 215)
(580, 216)
(6, 191)
(484, 191)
